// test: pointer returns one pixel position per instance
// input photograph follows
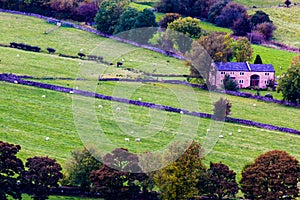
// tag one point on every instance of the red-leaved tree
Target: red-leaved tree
(11, 170)
(273, 175)
(42, 173)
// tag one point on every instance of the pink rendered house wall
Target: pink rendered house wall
(244, 78)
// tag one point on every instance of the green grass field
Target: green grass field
(69, 120)
(287, 22)
(259, 3)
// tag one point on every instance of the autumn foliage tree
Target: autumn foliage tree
(179, 180)
(273, 175)
(221, 181)
(242, 50)
(42, 173)
(11, 171)
(120, 167)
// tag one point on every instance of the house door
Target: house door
(254, 80)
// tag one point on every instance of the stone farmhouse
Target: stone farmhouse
(245, 74)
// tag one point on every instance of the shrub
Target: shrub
(230, 84)
(266, 29)
(168, 18)
(258, 60)
(259, 17)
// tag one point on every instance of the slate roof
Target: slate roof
(242, 66)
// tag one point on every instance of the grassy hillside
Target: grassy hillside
(259, 3)
(27, 118)
(287, 22)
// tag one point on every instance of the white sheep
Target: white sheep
(221, 136)
(207, 130)
(71, 92)
(254, 105)
(16, 82)
(100, 106)
(140, 99)
(126, 139)
(18, 55)
(47, 138)
(137, 139)
(181, 112)
(239, 130)
(118, 109)
(130, 60)
(230, 133)
(43, 96)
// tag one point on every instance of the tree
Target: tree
(127, 20)
(193, 8)
(182, 31)
(11, 171)
(79, 168)
(259, 17)
(119, 168)
(222, 108)
(266, 29)
(42, 174)
(241, 26)
(242, 50)
(86, 12)
(230, 13)
(215, 10)
(108, 15)
(188, 26)
(221, 181)
(134, 20)
(287, 3)
(289, 83)
(218, 46)
(179, 180)
(168, 18)
(258, 59)
(273, 175)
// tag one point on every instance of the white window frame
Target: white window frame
(242, 73)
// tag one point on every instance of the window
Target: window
(242, 73)
(266, 82)
(267, 74)
(241, 81)
(231, 72)
(222, 72)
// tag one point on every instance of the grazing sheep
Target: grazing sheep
(118, 109)
(239, 130)
(140, 99)
(254, 105)
(137, 139)
(43, 96)
(100, 106)
(207, 130)
(16, 82)
(230, 133)
(181, 112)
(47, 138)
(221, 136)
(71, 92)
(126, 139)
(130, 60)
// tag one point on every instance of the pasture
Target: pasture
(27, 117)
